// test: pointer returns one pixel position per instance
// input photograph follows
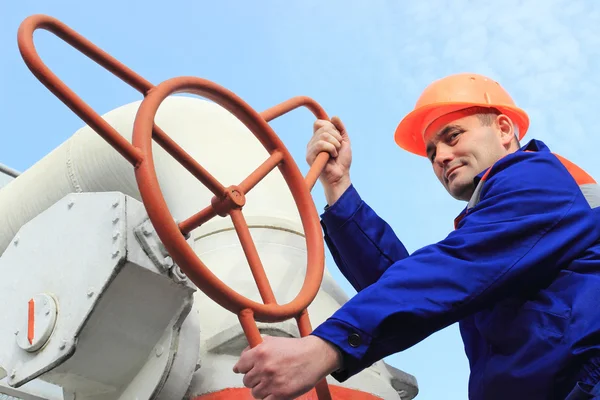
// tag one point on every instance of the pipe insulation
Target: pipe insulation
(208, 132)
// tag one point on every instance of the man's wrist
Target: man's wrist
(330, 355)
(333, 191)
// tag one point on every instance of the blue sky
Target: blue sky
(366, 61)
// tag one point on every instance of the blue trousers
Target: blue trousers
(584, 391)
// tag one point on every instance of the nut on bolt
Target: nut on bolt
(177, 275)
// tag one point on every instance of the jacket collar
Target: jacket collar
(533, 145)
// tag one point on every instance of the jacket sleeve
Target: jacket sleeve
(362, 244)
(532, 220)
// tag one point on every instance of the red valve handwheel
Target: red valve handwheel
(227, 201)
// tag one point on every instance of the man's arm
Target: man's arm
(531, 221)
(362, 244)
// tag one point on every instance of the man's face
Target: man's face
(460, 147)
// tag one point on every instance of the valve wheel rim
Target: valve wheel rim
(170, 233)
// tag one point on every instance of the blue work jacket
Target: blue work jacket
(520, 273)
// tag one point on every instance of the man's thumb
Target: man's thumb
(337, 122)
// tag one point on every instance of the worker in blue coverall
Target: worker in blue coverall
(520, 273)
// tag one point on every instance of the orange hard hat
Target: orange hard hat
(454, 93)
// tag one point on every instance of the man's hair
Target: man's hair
(487, 115)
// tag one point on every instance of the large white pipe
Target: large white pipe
(86, 163)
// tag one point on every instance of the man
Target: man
(521, 271)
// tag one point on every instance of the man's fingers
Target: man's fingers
(260, 391)
(251, 379)
(327, 126)
(329, 138)
(244, 364)
(320, 147)
(319, 124)
(328, 130)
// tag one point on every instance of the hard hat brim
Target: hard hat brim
(409, 133)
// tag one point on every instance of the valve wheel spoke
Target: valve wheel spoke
(197, 219)
(261, 172)
(187, 161)
(258, 271)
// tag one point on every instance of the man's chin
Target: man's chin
(460, 190)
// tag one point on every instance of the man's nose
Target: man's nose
(443, 155)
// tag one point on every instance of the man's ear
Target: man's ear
(506, 129)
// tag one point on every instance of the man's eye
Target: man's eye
(432, 157)
(454, 135)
